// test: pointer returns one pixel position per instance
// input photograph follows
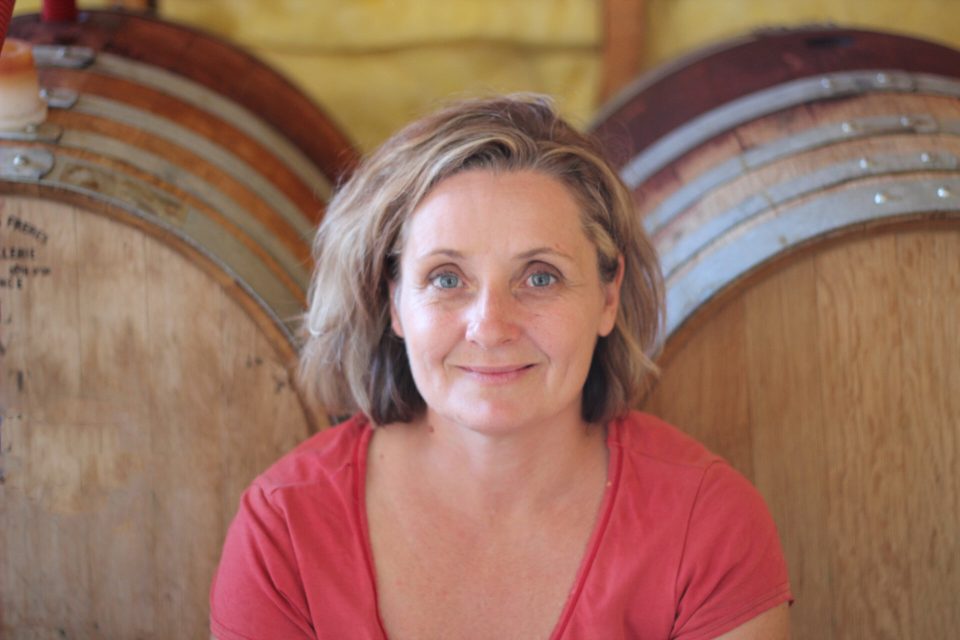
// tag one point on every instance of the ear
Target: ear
(394, 314)
(611, 301)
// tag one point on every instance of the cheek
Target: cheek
(566, 341)
(577, 341)
(429, 331)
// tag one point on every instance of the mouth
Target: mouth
(502, 373)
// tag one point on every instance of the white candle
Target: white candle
(20, 101)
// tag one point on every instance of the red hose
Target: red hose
(59, 11)
(6, 11)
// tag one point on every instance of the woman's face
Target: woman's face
(500, 301)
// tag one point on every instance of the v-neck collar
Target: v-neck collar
(614, 465)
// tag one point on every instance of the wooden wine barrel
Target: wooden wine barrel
(154, 253)
(802, 188)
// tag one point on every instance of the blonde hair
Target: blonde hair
(351, 359)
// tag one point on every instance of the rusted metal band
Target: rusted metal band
(212, 153)
(204, 235)
(192, 93)
(202, 189)
(694, 240)
(814, 138)
(750, 245)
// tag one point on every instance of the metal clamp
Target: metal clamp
(58, 98)
(24, 164)
(43, 132)
(48, 55)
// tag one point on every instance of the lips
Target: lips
(495, 370)
(499, 373)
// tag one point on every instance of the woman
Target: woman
(485, 300)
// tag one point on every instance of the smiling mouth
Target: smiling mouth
(496, 374)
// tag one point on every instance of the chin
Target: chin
(499, 418)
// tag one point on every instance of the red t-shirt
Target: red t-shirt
(684, 546)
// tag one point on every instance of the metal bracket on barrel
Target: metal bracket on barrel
(58, 98)
(43, 132)
(46, 55)
(25, 164)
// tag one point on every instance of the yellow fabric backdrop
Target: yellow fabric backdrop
(679, 26)
(375, 64)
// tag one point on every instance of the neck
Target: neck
(513, 473)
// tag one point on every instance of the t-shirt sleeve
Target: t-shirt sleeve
(257, 593)
(732, 568)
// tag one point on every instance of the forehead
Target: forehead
(482, 211)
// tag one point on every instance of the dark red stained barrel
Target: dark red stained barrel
(803, 191)
(679, 91)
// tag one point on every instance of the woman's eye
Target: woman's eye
(541, 279)
(446, 281)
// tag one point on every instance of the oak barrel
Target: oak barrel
(802, 189)
(155, 238)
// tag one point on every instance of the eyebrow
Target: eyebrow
(539, 251)
(526, 255)
(447, 253)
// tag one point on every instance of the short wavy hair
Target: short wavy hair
(352, 360)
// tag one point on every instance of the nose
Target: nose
(493, 318)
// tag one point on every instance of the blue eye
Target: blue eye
(541, 279)
(446, 281)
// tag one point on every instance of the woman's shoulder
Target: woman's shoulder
(295, 541)
(648, 437)
(331, 455)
